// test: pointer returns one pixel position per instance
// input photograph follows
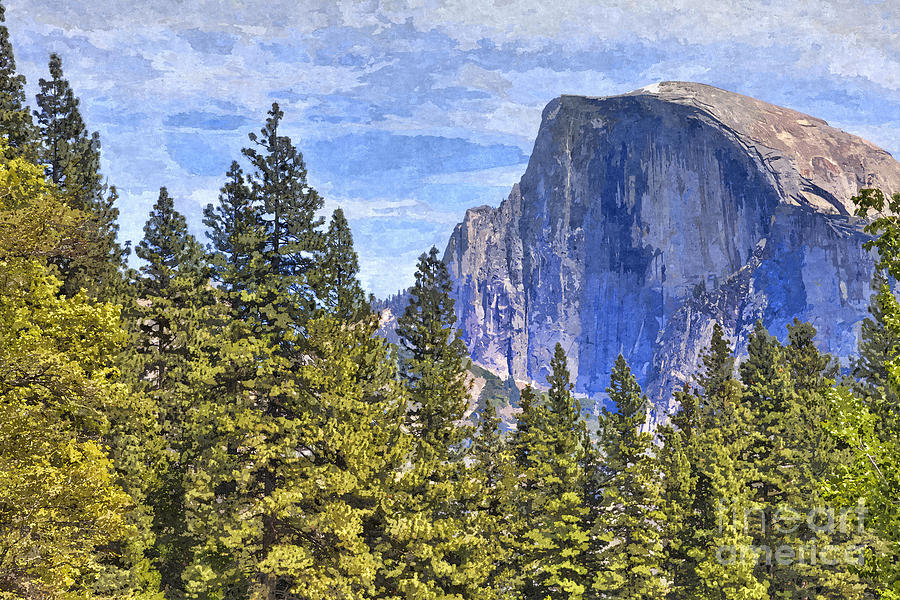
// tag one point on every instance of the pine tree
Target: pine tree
(171, 283)
(811, 373)
(775, 413)
(530, 452)
(243, 449)
(817, 455)
(172, 317)
(725, 559)
(679, 466)
(433, 363)
(335, 484)
(878, 346)
(16, 123)
(71, 155)
(72, 433)
(335, 277)
(289, 204)
(237, 239)
(352, 417)
(167, 248)
(435, 548)
(718, 366)
(72, 159)
(632, 523)
(493, 464)
(788, 454)
(707, 486)
(550, 453)
(304, 502)
(264, 234)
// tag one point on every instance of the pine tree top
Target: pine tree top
(167, 244)
(426, 325)
(626, 393)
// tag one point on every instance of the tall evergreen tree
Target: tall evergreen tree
(550, 453)
(321, 529)
(237, 239)
(707, 486)
(15, 116)
(280, 189)
(70, 153)
(632, 523)
(680, 493)
(167, 248)
(718, 366)
(815, 456)
(265, 237)
(788, 454)
(878, 346)
(172, 318)
(247, 441)
(493, 465)
(436, 550)
(300, 494)
(433, 359)
(72, 159)
(335, 277)
(725, 560)
(811, 373)
(775, 412)
(170, 253)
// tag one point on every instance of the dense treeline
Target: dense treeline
(224, 422)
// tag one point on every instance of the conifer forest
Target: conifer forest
(218, 418)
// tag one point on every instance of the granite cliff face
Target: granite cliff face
(641, 219)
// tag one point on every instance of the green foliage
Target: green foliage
(167, 246)
(287, 205)
(884, 225)
(433, 364)
(335, 276)
(72, 159)
(878, 347)
(718, 367)
(788, 454)
(494, 465)
(869, 483)
(58, 504)
(706, 485)
(241, 437)
(16, 123)
(866, 424)
(172, 321)
(250, 438)
(434, 544)
(315, 528)
(237, 237)
(549, 451)
(679, 466)
(68, 527)
(631, 522)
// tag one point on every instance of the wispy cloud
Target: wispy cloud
(409, 112)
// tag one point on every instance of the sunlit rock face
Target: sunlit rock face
(641, 219)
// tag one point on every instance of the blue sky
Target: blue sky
(410, 111)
